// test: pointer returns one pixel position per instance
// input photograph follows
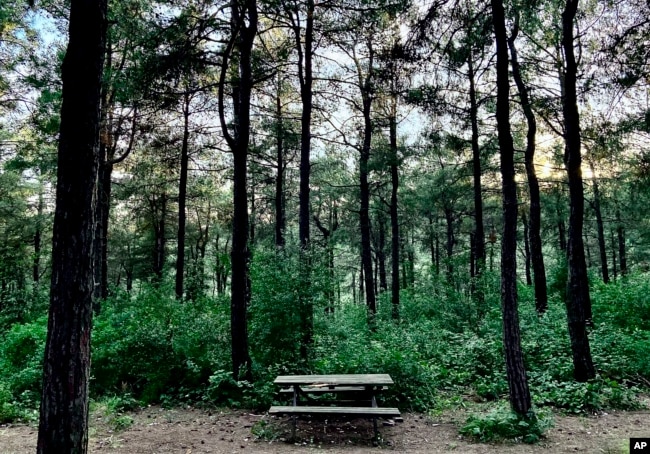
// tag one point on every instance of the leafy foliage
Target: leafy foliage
(502, 424)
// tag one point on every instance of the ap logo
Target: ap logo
(639, 445)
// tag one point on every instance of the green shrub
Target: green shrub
(502, 424)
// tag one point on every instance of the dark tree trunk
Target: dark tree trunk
(381, 253)
(620, 230)
(364, 190)
(479, 229)
(394, 219)
(602, 248)
(243, 23)
(182, 198)
(63, 424)
(280, 216)
(613, 244)
(561, 230)
(520, 399)
(38, 235)
(524, 221)
(578, 301)
(449, 218)
(305, 76)
(535, 237)
(158, 206)
(101, 239)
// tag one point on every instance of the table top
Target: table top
(335, 380)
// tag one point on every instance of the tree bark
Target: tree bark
(524, 221)
(535, 210)
(578, 301)
(182, 198)
(305, 76)
(394, 219)
(243, 22)
(520, 399)
(602, 248)
(620, 230)
(63, 424)
(479, 229)
(280, 216)
(364, 186)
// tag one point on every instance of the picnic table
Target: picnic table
(360, 389)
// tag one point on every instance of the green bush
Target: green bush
(502, 424)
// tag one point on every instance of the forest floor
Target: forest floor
(190, 430)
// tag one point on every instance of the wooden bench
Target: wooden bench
(330, 389)
(362, 412)
(363, 388)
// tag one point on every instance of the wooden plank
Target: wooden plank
(327, 389)
(335, 411)
(335, 380)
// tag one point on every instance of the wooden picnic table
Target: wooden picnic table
(363, 387)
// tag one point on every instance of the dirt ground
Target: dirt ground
(189, 430)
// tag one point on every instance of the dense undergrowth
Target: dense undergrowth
(445, 351)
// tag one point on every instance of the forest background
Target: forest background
(349, 217)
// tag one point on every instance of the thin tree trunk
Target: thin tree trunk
(158, 205)
(535, 237)
(305, 76)
(364, 188)
(450, 242)
(524, 221)
(520, 399)
(620, 230)
(479, 229)
(613, 245)
(578, 301)
(182, 198)
(38, 234)
(394, 219)
(63, 422)
(600, 228)
(280, 216)
(381, 253)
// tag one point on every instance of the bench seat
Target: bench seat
(369, 412)
(327, 389)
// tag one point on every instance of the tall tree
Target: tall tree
(243, 29)
(520, 400)
(534, 224)
(578, 301)
(63, 426)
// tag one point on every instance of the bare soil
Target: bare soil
(190, 430)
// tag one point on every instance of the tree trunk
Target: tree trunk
(520, 399)
(364, 193)
(524, 221)
(602, 248)
(280, 216)
(158, 206)
(449, 218)
(613, 245)
(381, 253)
(182, 198)
(63, 423)
(243, 24)
(38, 236)
(534, 225)
(578, 301)
(620, 230)
(305, 77)
(479, 229)
(394, 219)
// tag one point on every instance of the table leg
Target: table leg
(296, 390)
(373, 401)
